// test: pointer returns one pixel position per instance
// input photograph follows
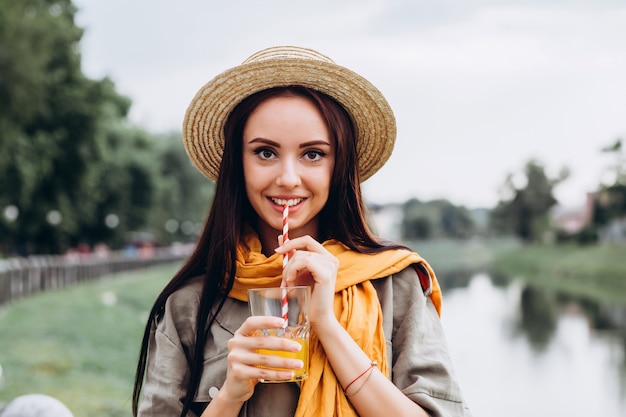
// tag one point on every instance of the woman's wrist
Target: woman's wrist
(224, 401)
(325, 325)
(363, 377)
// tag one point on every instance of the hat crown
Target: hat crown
(287, 52)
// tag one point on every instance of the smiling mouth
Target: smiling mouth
(291, 202)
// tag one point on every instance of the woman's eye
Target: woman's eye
(264, 153)
(314, 155)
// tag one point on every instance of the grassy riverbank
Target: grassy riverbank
(597, 272)
(79, 344)
(452, 255)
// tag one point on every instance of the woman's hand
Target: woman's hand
(311, 264)
(243, 372)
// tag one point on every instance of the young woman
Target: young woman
(289, 126)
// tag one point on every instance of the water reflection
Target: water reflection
(538, 318)
(520, 350)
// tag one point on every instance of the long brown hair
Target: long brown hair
(342, 218)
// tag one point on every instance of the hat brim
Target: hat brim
(203, 126)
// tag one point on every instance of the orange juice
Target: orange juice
(303, 355)
(271, 302)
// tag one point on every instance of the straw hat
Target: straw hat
(203, 126)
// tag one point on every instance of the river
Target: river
(520, 352)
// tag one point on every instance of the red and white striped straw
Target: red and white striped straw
(285, 232)
(285, 307)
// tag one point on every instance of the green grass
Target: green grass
(597, 272)
(69, 344)
(450, 255)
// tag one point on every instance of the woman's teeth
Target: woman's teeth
(290, 202)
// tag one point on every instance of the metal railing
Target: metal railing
(24, 276)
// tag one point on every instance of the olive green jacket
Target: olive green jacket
(416, 347)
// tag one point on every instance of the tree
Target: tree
(67, 157)
(609, 201)
(417, 222)
(437, 218)
(611, 197)
(124, 188)
(183, 193)
(525, 206)
(455, 221)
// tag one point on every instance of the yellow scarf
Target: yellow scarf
(356, 307)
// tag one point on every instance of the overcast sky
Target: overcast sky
(478, 87)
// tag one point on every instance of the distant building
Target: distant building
(573, 219)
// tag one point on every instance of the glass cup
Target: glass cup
(268, 302)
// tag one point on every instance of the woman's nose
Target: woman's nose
(288, 176)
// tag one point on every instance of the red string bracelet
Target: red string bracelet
(372, 365)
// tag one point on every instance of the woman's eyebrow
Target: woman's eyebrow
(314, 142)
(276, 144)
(266, 141)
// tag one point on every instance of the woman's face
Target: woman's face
(288, 157)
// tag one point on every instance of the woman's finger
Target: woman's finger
(254, 357)
(310, 266)
(305, 243)
(254, 323)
